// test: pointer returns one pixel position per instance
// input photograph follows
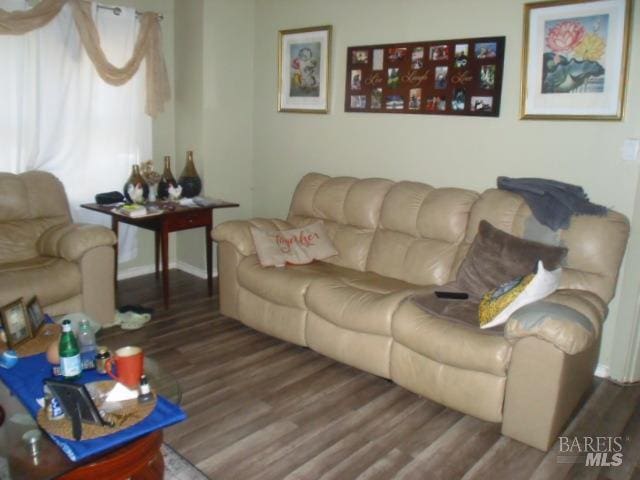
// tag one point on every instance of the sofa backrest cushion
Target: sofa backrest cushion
(596, 244)
(419, 231)
(350, 209)
(420, 234)
(31, 203)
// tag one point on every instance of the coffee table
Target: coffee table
(139, 459)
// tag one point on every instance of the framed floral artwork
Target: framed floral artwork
(575, 59)
(303, 69)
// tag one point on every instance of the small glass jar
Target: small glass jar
(101, 359)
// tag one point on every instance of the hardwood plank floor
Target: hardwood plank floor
(260, 408)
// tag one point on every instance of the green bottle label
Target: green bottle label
(70, 366)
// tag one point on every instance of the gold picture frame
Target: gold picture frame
(574, 62)
(15, 322)
(36, 315)
(304, 69)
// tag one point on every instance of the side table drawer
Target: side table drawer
(185, 220)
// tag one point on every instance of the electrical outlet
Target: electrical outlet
(630, 149)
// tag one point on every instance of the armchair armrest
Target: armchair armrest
(571, 320)
(238, 232)
(72, 241)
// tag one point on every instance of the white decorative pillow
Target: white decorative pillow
(497, 305)
(296, 246)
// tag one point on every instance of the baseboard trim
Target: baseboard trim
(602, 371)
(195, 271)
(147, 269)
(139, 271)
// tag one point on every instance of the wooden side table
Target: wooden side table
(173, 218)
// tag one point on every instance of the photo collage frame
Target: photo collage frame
(445, 77)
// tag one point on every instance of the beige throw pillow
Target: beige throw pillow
(296, 246)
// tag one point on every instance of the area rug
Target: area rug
(177, 467)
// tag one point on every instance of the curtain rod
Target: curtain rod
(118, 11)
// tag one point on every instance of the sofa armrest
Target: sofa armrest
(238, 232)
(72, 241)
(571, 320)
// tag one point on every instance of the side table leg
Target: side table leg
(157, 238)
(165, 264)
(209, 244)
(114, 228)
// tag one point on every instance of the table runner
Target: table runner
(25, 380)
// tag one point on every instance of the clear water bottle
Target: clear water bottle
(87, 341)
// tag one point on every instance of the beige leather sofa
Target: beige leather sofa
(395, 239)
(68, 266)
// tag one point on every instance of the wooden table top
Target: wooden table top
(166, 208)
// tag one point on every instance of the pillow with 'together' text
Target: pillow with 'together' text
(296, 246)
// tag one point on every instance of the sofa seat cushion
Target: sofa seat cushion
(51, 279)
(449, 342)
(286, 285)
(359, 301)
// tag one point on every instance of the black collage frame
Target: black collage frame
(442, 77)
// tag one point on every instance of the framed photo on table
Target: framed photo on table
(36, 315)
(575, 59)
(15, 322)
(303, 69)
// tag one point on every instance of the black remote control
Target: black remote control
(452, 295)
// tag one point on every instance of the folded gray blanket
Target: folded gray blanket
(552, 202)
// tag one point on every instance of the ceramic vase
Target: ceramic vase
(167, 180)
(189, 179)
(136, 189)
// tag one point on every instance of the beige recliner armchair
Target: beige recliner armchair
(69, 266)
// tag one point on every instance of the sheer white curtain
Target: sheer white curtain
(59, 116)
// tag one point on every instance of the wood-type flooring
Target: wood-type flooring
(260, 408)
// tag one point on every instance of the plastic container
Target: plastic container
(87, 341)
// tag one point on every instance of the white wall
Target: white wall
(440, 150)
(188, 98)
(163, 128)
(214, 104)
(210, 111)
(225, 109)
